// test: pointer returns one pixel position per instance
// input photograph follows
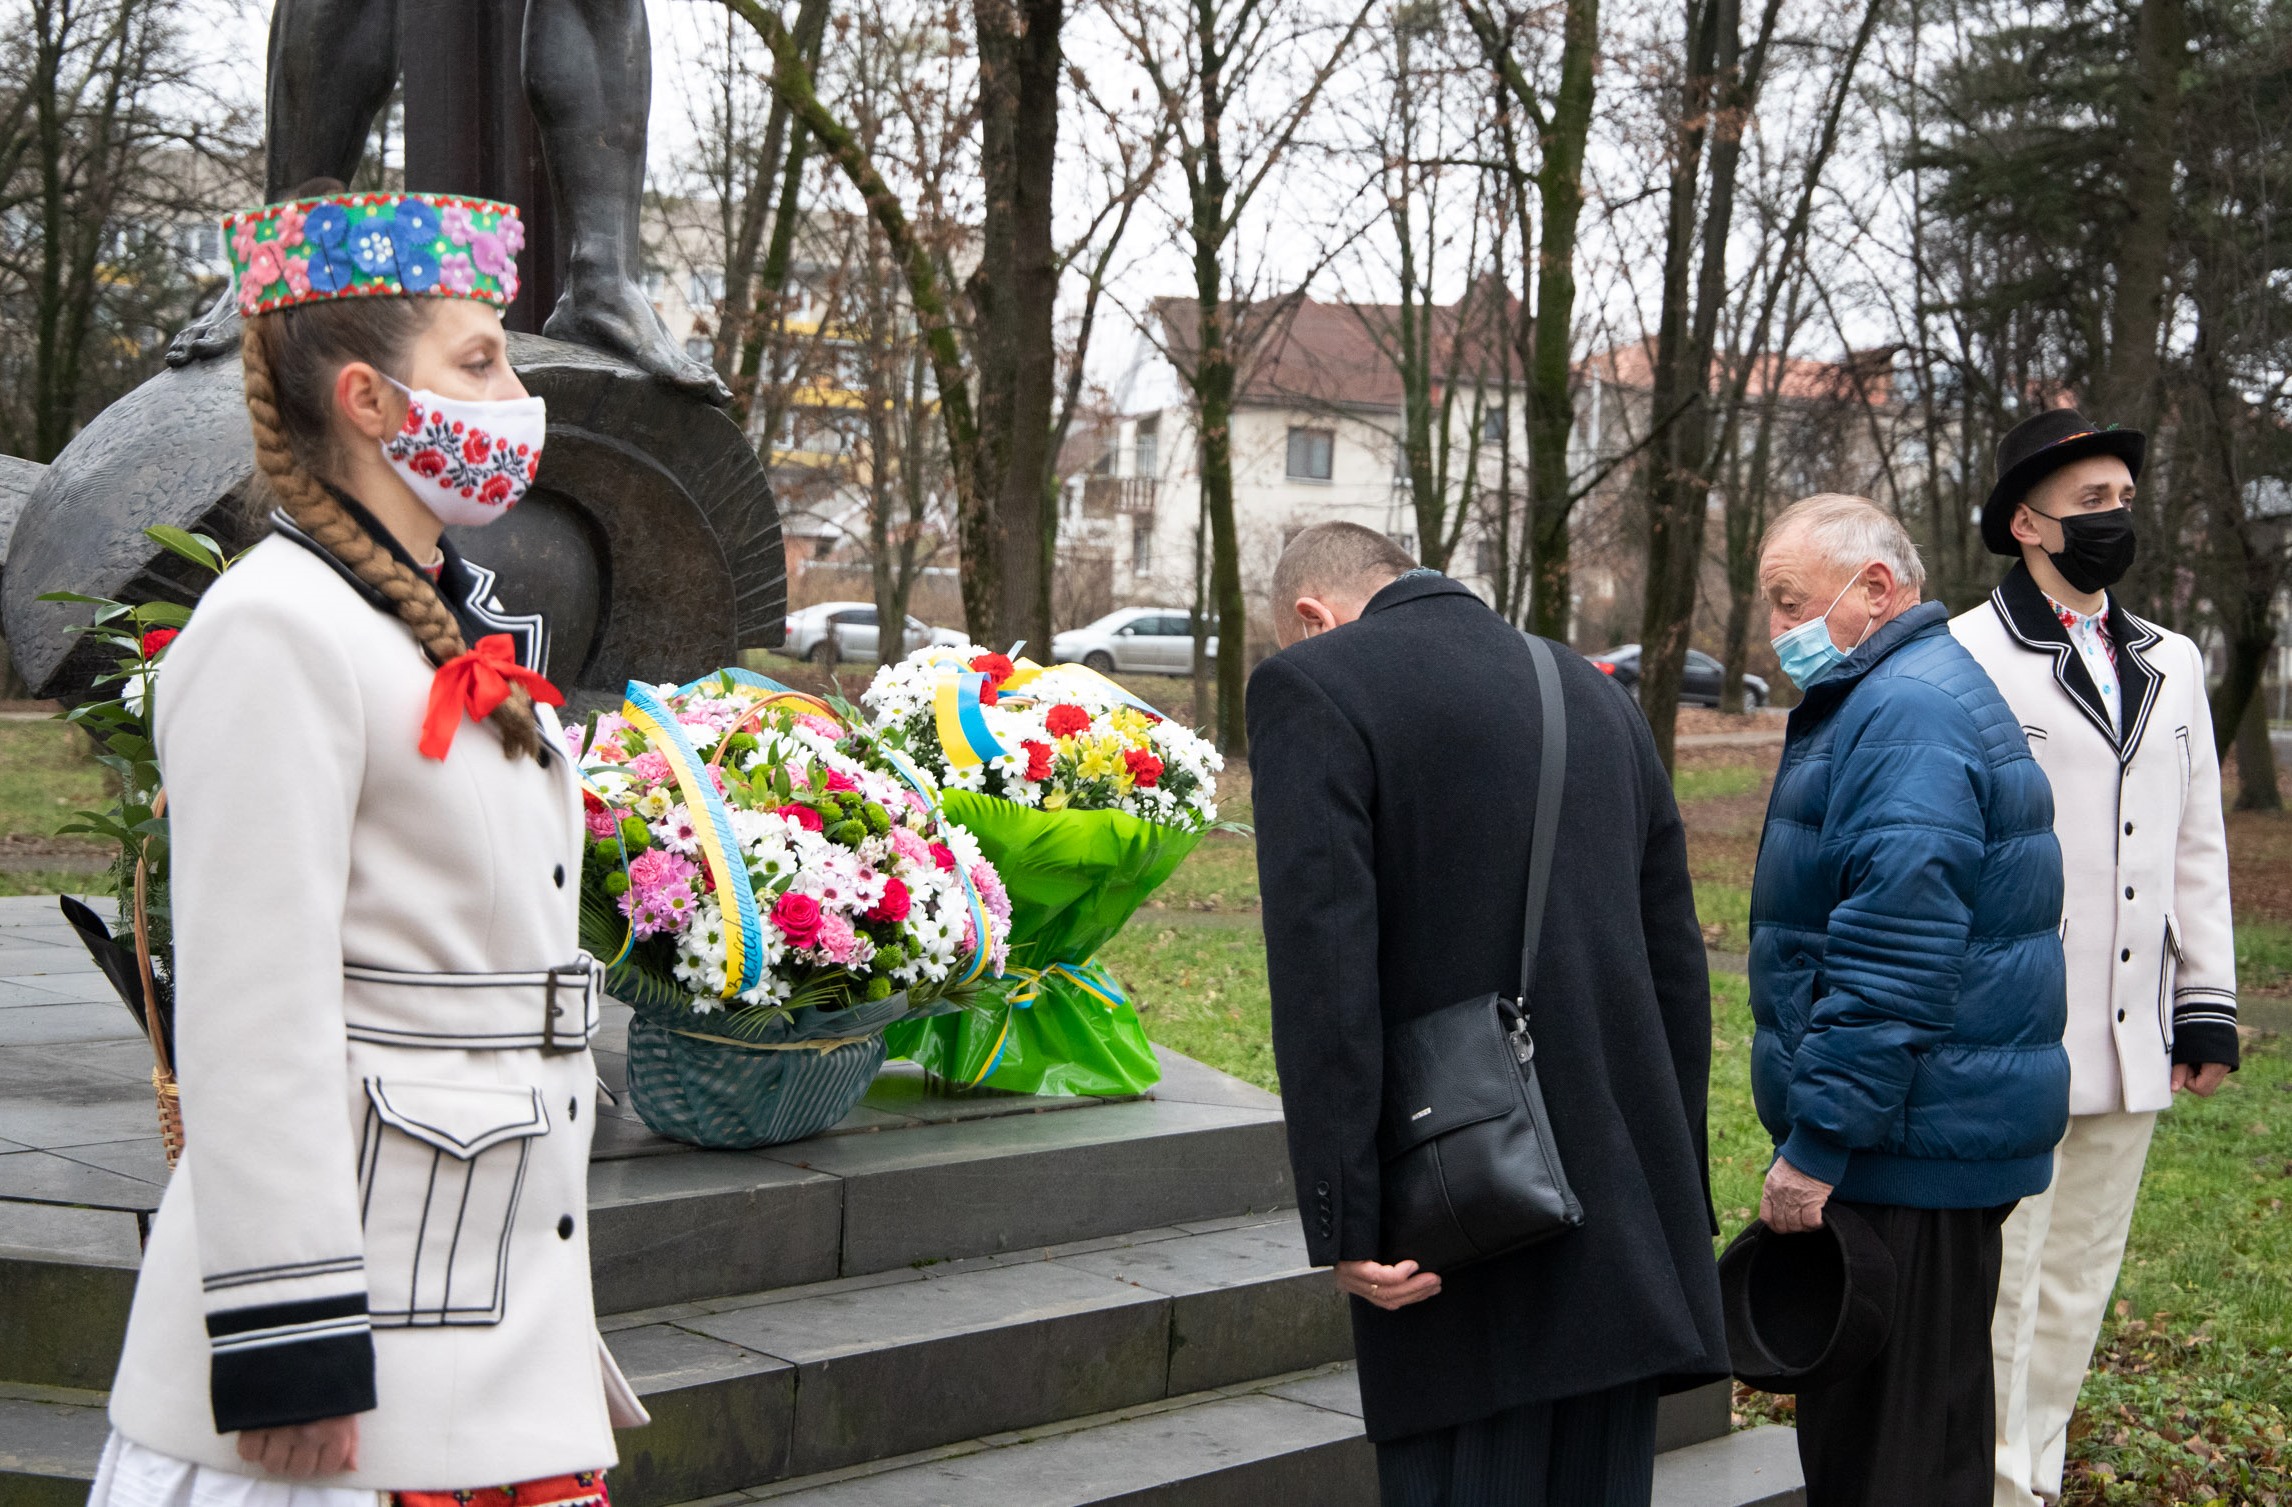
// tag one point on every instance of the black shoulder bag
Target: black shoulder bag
(1470, 1168)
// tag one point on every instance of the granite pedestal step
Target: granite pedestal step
(914, 1174)
(1285, 1441)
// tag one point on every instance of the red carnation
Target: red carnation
(943, 855)
(1145, 769)
(997, 668)
(805, 816)
(156, 640)
(1038, 760)
(590, 800)
(894, 904)
(1066, 719)
(798, 917)
(837, 781)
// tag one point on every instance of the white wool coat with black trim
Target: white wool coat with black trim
(2146, 930)
(381, 1207)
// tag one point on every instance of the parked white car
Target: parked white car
(1133, 640)
(827, 632)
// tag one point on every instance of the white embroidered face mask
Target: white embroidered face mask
(468, 460)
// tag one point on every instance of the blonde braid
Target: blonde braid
(314, 510)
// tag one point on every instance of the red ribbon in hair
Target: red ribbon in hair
(473, 684)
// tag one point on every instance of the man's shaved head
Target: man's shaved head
(1337, 563)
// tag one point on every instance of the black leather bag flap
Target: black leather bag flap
(1444, 1071)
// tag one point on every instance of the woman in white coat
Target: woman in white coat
(370, 1271)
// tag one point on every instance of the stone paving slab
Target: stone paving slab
(1756, 1468)
(1246, 1451)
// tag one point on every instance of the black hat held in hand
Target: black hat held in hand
(2037, 447)
(1806, 1310)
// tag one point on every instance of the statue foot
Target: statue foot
(612, 314)
(214, 333)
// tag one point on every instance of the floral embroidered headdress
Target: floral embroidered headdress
(373, 245)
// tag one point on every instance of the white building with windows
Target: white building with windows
(1316, 436)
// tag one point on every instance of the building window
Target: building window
(1149, 455)
(1141, 544)
(1312, 453)
(699, 347)
(1492, 425)
(706, 288)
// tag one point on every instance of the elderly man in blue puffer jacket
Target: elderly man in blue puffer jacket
(1906, 976)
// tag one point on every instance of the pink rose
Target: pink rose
(943, 856)
(798, 917)
(802, 816)
(838, 780)
(894, 905)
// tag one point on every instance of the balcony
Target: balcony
(1115, 496)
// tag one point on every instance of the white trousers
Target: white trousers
(2062, 1251)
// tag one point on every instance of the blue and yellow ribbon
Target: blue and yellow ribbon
(962, 722)
(719, 848)
(1086, 976)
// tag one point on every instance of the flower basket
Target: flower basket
(1085, 800)
(772, 889)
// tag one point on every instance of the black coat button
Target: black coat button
(2128, 892)
(559, 876)
(2128, 829)
(572, 1109)
(2120, 1015)
(1322, 1189)
(565, 1228)
(2125, 956)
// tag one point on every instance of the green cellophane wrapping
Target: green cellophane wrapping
(1075, 878)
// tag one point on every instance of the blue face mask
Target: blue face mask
(1806, 652)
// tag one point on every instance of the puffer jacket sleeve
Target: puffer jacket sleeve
(261, 744)
(2204, 985)
(1313, 789)
(1904, 838)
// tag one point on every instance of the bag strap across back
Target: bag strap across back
(1551, 775)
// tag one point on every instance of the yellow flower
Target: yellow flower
(1100, 759)
(1054, 800)
(1130, 722)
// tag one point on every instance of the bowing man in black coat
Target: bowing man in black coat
(1394, 743)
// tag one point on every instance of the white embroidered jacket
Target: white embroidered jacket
(382, 1025)
(2144, 852)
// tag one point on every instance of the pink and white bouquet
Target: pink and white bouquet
(856, 890)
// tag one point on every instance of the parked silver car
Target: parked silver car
(827, 632)
(1133, 640)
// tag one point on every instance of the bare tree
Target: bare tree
(1202, 73)
(110, 148)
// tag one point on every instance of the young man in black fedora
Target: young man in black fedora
(2115, 712)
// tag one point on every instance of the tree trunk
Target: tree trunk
(1678, 489)
(1551, 392)
(2256, 757)
(2143, 250)
(744, 300)
(1013, 294)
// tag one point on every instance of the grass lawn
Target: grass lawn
(2192, 1400)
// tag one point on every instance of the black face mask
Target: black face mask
(2096, 548)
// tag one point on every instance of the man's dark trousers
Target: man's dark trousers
(1592, 1451)
(1916, 1427)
